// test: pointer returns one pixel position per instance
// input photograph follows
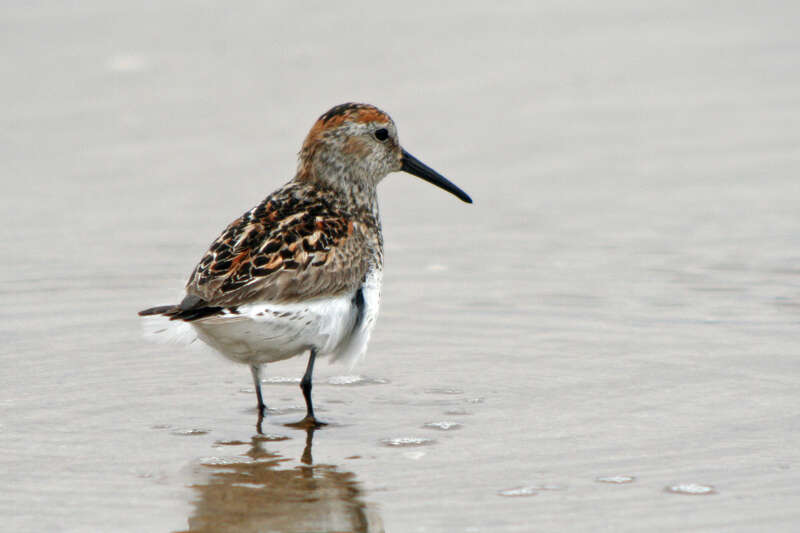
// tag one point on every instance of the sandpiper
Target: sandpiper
(302, 270)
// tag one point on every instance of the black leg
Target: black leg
(305, 385)
(256, 371)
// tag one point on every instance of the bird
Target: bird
(302, 270)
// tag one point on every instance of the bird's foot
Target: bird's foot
(308, 422)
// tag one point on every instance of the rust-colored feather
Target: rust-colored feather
(300, 243)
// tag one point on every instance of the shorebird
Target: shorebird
(302, 270)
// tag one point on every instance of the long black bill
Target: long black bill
(414, 166)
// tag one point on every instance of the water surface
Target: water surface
(622, 301)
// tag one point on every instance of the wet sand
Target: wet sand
(610, 328)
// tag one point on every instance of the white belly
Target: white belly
(264, 332)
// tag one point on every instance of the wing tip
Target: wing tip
(158, 310)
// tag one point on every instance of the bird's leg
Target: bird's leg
(305, 385)
(256, 371)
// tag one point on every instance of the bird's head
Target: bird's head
(352, 147)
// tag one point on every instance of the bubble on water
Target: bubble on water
(476, 400)
(224, 461)
(692, 489)
(618, 480)
(280, 380)
(356, 380)
(345, 380)
(444, 425)
(407, 441)
(443, 390)
(258, 486)
(517, 492)
(270, 437)
(190, 432)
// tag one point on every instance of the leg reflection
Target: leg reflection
(306, 458)
(264, 491)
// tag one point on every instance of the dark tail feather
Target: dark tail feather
(174, 312)
(160, 310)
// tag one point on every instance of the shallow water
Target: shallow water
(607, 339)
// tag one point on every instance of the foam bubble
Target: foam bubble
(444, 425)
(517, 492)
(692, 489)
(190, 432)
(407, 441)
(618, 480)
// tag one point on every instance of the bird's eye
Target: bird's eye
(382, 134)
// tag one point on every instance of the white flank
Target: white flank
(354, 348)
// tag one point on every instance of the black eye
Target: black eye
(382, 134)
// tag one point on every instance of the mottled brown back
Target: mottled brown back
(300, 243)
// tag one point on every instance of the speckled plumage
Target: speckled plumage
(300, 243)
(302, 270)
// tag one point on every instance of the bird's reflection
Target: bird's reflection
(261, 492)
